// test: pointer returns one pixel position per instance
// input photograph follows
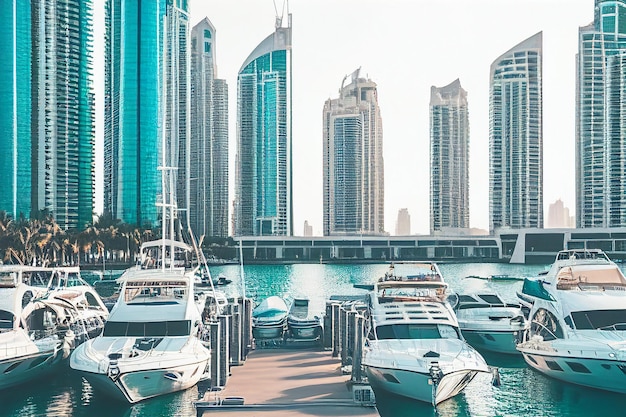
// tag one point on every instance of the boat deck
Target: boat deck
(286, 383)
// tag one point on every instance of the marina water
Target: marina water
(522, 392)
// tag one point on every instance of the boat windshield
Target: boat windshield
(416, 331)
(157, 292)
(600, 319)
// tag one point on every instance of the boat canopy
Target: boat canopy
(586, 276)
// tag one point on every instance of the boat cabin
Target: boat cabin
(590, 277)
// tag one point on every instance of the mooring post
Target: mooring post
(224, 369)
(336, 325)
(357, 358)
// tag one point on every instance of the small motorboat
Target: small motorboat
(269, 318)
(487, 322)
(302, 324)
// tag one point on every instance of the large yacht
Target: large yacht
(414, 347)
(577, 321)
(34, 336)
(150, 345)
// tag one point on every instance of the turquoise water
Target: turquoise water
(523, 392)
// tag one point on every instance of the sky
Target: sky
(405, 47)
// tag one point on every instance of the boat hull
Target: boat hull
(136, 386)
(18, 370)
(494, 341)
(417, 386)
(602, 374)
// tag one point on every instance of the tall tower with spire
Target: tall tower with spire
(263, 177)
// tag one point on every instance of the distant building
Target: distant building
(308, 229)
(263, 176)
(601, 117)
(516, 137)
(558, 216)
(403, 223)
(353, 167)
(449, 157)
(208, 182)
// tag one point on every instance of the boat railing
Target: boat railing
(614, 327)
(12, 351)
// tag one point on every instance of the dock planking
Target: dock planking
(286, 383)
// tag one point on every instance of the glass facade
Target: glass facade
(209, 198)
(449, 157)
(15, 109)
(63, 116)
(263, 200)
(600, 117)
(353, 165)
(516, 137)
(132, 142)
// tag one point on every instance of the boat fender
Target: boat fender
(495, 377)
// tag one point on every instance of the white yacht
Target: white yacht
(86, 311)
(33, 338)
(577, 321)
(414, 347)
(150, 344)
(487, 322)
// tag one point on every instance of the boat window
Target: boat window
(546, 325)
(8, 279)
(416, 331)
(492, 299)
(6, 320)
(600, 319)
(143, 329)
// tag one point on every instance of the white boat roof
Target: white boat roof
(154, 308)
(159, 243)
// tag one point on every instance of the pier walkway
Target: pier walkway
(285, 383)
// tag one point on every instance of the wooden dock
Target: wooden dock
(286, 383)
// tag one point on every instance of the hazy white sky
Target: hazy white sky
(405, 46)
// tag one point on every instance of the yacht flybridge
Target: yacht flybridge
(414, 346)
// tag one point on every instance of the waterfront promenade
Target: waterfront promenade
(286, 383)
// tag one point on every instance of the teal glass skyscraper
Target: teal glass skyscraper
(132, 107)
(516, 137)
(146, 102)
(263, 200)
(15, 109)
(63, 120)
(601, 117)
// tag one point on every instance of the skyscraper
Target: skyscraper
(263, 199)
(449, 157)
(132, 138)
(15, 110)
(208, 206)
(63, 111)
(516, 137)
(601, 117)
(146, 101)
(176, 110)
(353, 160)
